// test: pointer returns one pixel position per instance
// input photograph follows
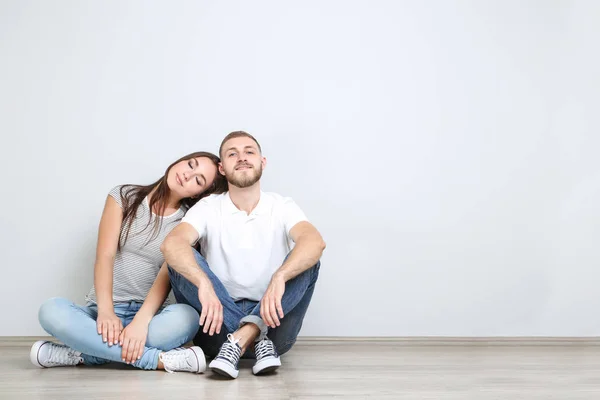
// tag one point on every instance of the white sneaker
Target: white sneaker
(46, 354)
(184, 360)
(226, 362)
(267, 358)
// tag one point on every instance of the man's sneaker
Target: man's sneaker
(226, 362)
(46, 354)
(267, 359)
(184, 360)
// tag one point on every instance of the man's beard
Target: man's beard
(244, 180)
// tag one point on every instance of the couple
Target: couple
(245, 293)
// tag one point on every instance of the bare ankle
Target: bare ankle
(247, 334)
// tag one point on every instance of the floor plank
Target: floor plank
(322, 369)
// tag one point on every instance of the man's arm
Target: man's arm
(177, 249)
(306, 253)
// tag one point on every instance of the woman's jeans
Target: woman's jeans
(75, 326)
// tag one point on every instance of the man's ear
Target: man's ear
(221, 170)
(263, 161)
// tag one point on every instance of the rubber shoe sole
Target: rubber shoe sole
(266, 365)
(223, 368)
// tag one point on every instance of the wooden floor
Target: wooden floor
(333, 369)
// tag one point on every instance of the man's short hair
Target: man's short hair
(237, 134)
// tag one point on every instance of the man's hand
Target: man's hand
(211, 318)
(270, 305)
(109, 326)
(133, 341)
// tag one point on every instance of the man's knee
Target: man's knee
(310, 276)
(312, 273)
(173, 275)
(200, 261)
(314, 270)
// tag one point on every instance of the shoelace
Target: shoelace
(230, 350)
(63, 355)
(175, 360)
(264, 348)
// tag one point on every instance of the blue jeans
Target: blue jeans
(75, 326)
(295, 301)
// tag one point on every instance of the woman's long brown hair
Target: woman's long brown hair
(133, 195)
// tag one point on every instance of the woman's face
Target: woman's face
(189, 178)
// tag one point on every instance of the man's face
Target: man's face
(241, 162)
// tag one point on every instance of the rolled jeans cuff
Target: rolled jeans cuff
(256, 320)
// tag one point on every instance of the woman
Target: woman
(131, 281)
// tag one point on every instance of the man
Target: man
(254, 280)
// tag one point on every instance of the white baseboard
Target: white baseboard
(460, 340)
(397, 341)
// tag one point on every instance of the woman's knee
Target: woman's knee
(177, 325)
(53, 315)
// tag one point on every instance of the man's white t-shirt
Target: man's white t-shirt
(245, 250)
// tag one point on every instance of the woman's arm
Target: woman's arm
(156, 296)
(133, 337)
(108, 324)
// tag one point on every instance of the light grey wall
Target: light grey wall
(445, 149)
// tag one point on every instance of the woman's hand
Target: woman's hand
(109, 326)
(133, 341)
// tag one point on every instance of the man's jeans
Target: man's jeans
(295, 301)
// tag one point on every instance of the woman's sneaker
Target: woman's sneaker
(184, 360)
(46, 354)
(226, 362)
(267, 359)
